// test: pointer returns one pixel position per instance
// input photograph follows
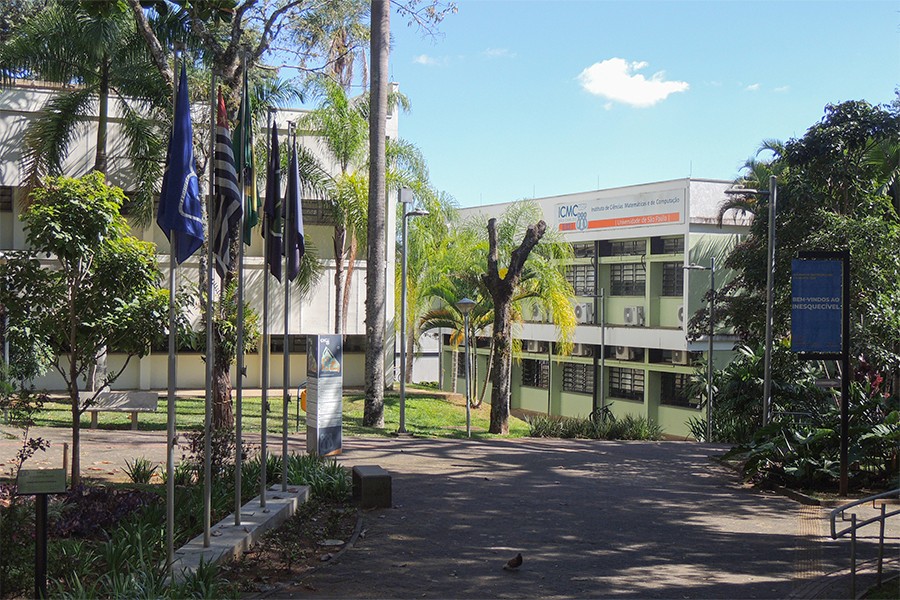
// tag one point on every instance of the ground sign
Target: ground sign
(324, 394)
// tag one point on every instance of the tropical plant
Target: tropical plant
(103, 290)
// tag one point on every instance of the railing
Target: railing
(856, 525)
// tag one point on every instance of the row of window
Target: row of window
(658, 245)
(623, 382)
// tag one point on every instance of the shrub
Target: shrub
(140, 470)
(627, 428)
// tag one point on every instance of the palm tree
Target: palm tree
(98, 59)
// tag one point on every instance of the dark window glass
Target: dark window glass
(578, 378)
(673, 245)
(628, 248)
(627, 279)
(582, 279)
(673, 279)
(583, 249)
(536, 373)
(672, 392)
(626, 383)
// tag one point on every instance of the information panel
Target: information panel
(324, 394)
(816, 305)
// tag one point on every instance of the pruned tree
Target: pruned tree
(501, 284)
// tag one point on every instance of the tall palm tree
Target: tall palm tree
(99, 62)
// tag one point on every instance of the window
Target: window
(461, 362)
(582, 279)
(583, 249)
(673, 245)
(626, 383)
(536, 373)
(673, 390)
(673, 279)
(6, 197)
(628, 248)
(578, 378)
(627, 279)
(316, 212)
(297, 344)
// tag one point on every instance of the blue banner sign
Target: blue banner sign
(816, 305)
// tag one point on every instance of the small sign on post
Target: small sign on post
(324, 394)
(40, 483)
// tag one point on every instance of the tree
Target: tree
(373, 411)
(101, 291)
(832, 194)
(100, 61)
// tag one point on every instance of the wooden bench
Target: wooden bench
(371, 487)
(130, 402)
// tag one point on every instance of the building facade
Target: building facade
(633, 298)
(310, 314)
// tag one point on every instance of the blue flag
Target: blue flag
(273, 224)
(180, 214)
(294, 246)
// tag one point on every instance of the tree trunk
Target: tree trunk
(76, 434)
(454, 369)
(100, 158)
(351, 262)
(340, 236)
(501, 289)
(222, 412)
(373, 413)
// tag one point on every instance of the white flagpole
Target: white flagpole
(171, 375)
(286, 237)
(239, 391)
(210, 350)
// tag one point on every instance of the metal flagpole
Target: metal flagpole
(170, 398)
(239, 388)
(210, 350)
(287, 236)
(263, 437)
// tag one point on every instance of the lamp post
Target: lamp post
(772, 193)
(712, 321)
(405, 200)
(465, 306)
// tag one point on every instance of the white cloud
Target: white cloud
(428, 61)
(499, 53)
(753, 87)
(618, 80)
(782, 89)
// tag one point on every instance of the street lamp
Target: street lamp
(406, 197)
(465, 306)
(772, 193)
(709, 359)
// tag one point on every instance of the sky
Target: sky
(531, 98)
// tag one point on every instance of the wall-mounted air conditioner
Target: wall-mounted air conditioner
(581, 350)
(532, 346)
(584, 313)
(634, 316)
(624, 353)
(680, 357)
(681, 315)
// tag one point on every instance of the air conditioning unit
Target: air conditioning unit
(624, 353)
(634, 316)
(532, 346)
(581, 350)
(584, 313)
(680, 357)
(681, 315)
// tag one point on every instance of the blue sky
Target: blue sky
(522, 98)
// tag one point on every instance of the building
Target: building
(634, 296)
(311, 314)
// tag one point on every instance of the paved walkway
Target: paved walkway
(592, 519)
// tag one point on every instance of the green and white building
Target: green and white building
(634, 297)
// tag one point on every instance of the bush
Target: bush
(627, 428)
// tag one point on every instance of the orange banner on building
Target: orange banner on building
(626, 221)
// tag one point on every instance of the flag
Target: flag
(245, 161)
(274, 209)
(180, 215)
(226, 207)
(294, 247)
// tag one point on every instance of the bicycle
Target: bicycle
(602, 414)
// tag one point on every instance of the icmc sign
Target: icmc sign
(816, 306)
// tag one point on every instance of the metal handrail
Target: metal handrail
(855, 526)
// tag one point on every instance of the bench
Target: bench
(130, 402)
(371, 486)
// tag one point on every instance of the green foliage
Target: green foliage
(629, 427)
(140, 470)
(327, 480)
(17, 541)
(802, 447)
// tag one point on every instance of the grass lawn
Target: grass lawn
(426, 415)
